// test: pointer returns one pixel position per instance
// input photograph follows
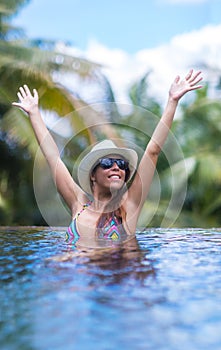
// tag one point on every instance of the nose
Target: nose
(115, 166)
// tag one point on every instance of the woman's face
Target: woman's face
(111, 178)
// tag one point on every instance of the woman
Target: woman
(112, 214)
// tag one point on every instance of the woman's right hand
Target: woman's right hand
(27, 101)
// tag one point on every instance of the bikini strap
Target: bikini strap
(86, 205)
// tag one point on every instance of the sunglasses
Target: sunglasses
(107, 163)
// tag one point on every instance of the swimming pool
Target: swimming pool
(165, 294)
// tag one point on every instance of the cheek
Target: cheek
(98, 175)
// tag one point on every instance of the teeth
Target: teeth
(115, 177)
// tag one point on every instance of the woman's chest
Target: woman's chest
(86, 222)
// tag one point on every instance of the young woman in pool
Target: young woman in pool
(112, 214)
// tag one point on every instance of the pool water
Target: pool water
(164, 294)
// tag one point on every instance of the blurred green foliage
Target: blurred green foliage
(196, 168)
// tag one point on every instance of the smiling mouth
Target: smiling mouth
(115, 177)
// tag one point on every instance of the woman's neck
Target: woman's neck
(100, 204)
(103, 196)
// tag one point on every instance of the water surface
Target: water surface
(164, 294)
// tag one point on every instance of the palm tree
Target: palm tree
(201, 146)
(40, 65)
(186, 190)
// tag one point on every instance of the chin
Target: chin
(116, 186)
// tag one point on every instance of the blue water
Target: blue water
(163, 295)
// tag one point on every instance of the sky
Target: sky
(131, 37)
(126, 24)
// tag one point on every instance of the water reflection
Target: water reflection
(166, 282)
(113, 264)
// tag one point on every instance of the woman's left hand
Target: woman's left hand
(181, 87)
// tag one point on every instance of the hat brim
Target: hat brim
(88, 162)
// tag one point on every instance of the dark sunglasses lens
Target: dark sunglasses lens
(107, 163)
(122, 164)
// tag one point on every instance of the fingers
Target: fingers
(196, 82)
(25, 96)
(177, 79)
(35, 93)
(21, 93)
(196, 78)
(25, 92)
(193, 78)
(188, 76)
(16, 104)
(20, 96)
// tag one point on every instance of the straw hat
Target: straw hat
(100, 150)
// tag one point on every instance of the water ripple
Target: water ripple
(164, 293)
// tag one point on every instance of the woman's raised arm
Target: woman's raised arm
(66, 186)
(141, 184)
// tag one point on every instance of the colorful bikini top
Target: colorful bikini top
(111, 229)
